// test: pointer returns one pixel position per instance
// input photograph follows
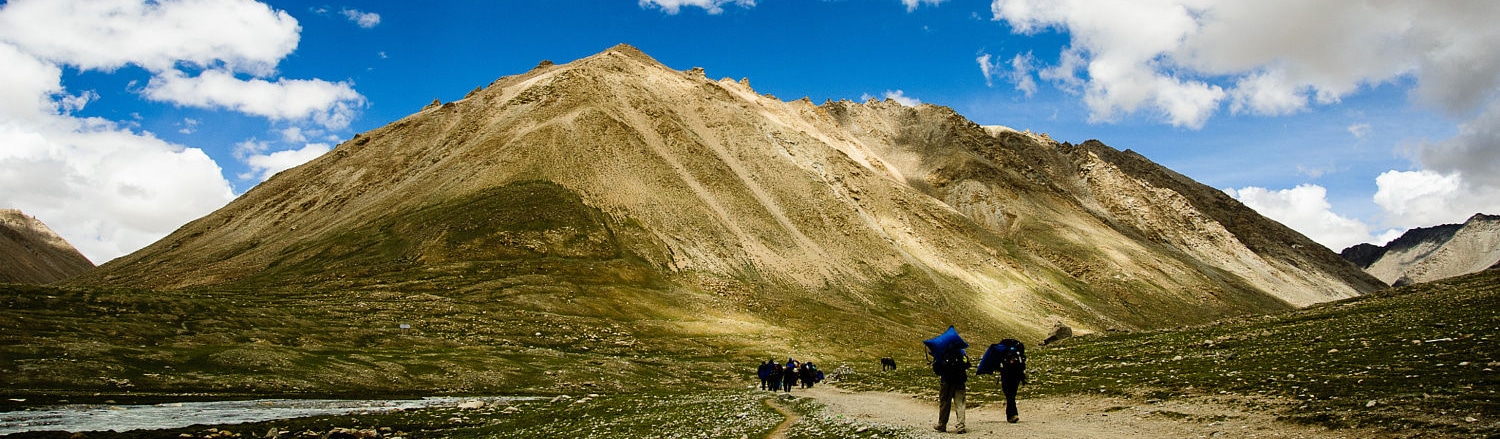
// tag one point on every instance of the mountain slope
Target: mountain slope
(31, 253)
(613, 189)
(1430, 253)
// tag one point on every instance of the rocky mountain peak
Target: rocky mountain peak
(1426, 254)
(30, 252)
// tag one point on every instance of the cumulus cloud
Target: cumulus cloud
(106, 189)
(103, 185)
(1265, 57)
(330, 104)
(1306, 209)
(713, 7)
(240, 35)
(263, 166)
(365, 20)
(1426, 198)
(1186, 60)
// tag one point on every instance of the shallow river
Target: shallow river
(80, 417)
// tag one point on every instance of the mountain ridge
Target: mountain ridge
(713, 203)
(30, 252)
(1426, 254)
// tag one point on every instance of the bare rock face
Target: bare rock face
(31, 253)
(1431, 253)
(615, 176)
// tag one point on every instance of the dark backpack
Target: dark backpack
(1007, 353)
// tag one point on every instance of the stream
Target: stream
(98, 417)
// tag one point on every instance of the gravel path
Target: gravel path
(1077, 417)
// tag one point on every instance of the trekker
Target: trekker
(1012, 376)
(789, 375)
(773, 379)
(953, 373)
(809, 375)
(764, 372)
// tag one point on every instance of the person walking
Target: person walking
(952, 370)
(789, 375)
(764, 372)
(1012, 376)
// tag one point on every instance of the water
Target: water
(75, 418)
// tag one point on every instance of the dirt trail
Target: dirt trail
(791, 419)
(1074, 417)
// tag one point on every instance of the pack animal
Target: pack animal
(887, 363)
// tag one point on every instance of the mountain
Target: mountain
(614, 191)
(31, 253)
(1430, 253)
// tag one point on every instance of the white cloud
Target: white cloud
(899, 96)
(239, 35)
(1427, 198)
(263, 166)
(365, 20)
(911, 5)
(713, 7)
(1018, 73)
(330, 104)
(990, 71)
(1274, 56)
(1306, 209)
(105, 186)
(105, 189)
(1183, 60)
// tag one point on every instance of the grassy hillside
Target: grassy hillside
(1417, 358)
(1424, 354)
(518, 289)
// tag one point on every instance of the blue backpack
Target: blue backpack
(1000, 353)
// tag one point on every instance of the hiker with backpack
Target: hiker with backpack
(764, 372)
(951, 366)
(790, 374)
(1008, 357)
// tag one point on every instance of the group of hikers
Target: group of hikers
(776, 376)
(949, 362)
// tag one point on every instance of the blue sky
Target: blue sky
(1347, 120)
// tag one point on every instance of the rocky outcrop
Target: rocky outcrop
(31, 253)
(1431, 253)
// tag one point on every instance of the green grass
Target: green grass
(1425, 354)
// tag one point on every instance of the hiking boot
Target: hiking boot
(940, 428)
(960, 430)
(1015, 419)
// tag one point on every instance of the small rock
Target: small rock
(1370, 404)
(1333, 351)
(1470, 419)
(1177, 358)
(471, 404)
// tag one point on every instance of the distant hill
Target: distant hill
(1430, 253)
(612, 207)
(31, 253)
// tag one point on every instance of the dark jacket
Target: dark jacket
(953, 369)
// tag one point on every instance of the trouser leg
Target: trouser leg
(945, 403)
(1010, 388)
(958, 406)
